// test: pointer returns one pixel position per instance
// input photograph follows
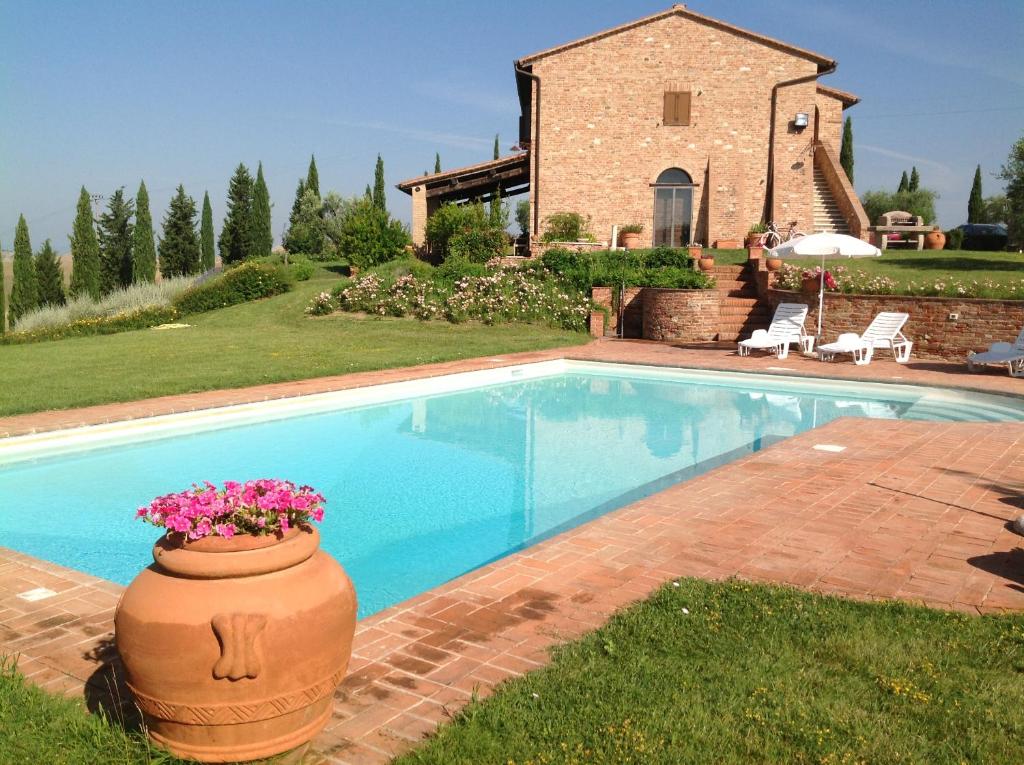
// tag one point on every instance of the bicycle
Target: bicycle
(772, 238)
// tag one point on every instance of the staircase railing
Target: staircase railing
(842, 190)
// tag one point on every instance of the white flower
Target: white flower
(686, 611)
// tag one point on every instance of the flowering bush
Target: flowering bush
(503, 294)
(321, 305)
(263, 506)
(858, 282)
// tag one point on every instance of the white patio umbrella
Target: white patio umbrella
(825, 246)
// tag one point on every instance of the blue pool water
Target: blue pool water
(421, 490)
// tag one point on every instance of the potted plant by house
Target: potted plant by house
(629, 235)
(696, 250)
(935, 239)
(773, 263)
(706, 261)
(236, 638)
(754, 234)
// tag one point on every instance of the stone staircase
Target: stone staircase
(827, 215)
(741, 310)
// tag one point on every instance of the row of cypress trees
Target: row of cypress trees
(118, 249)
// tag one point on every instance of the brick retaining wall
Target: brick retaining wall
(978, 323)
(690, 316)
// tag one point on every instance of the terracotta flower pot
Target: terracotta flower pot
(233, 648)
(706, 263)
(773, 264)
(810, 284)
(696, 252)
(934, 240)
(630, 241)
(752, 240)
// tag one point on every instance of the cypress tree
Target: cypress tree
(368, 194)
(497, 149)
(143, 247)
(49, 277)
(290, 243)
(379, 200)
(24, 290)
(85, 252)
(437, 161)
(262, 235)
(915, 179)
(115, 235)
(976, 203)
(846, 149)
(312, 176)
(3, 295)
(904, 183)
(235, 235)
(206, 255)
(179, 246)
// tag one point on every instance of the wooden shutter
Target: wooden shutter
(676, 108)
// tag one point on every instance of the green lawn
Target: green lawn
(266, 341)
(36, 727)
(756, 674)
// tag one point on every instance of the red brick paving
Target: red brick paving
(911, 510)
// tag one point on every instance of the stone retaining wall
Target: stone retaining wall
(932, 326)
(689, 316)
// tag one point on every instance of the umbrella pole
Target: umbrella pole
(821, 297)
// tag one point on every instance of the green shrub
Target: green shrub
(369, 236)
(567, 227)
(465, 231)
(300, 268)
(454, 268)
(660, 267)
(248, 281)
(955, 239)
(523, 216)
(138, 318)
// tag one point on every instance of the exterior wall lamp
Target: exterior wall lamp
(800, 120)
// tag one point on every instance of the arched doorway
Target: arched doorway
(673, 208)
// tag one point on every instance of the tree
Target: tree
(437, 161)
(3, 295)
(312, 176)
(846, 150)
(1013, 173)
(24, 290)
(997, 209)
(497, 213)
(920, 202)
(143, 246)
(369, 236)
(85, 251)
(236, 234)
(115, 235)
(49, 276)
(207, 260)
(262, 235)
(368, 194)
(904, 184)
(523, 216)
(975, 202)
(915, 179)
(497, 148)
(379, 200)
(306, 234)
(179, 246)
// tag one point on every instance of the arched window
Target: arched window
(673, 208)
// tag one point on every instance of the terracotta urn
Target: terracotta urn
(752, 240)
(810, 284)
(630, 241)
(707, 262)
(696, 251)
(935, 240)
(773, 264)
(233, 648)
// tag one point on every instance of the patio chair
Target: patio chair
(885, 331)
(787, 327)
(1011, 354)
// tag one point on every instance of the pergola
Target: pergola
(506, 176)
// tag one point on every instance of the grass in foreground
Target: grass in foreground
(266, 341)
(759, 674)
(37, 727)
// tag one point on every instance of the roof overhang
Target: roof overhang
(848, 99)
(508, 174)
(823, 62)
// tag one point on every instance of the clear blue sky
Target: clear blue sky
(105, 93)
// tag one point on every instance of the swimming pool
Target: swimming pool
(429, 479)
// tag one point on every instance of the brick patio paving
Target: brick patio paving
(911, 510)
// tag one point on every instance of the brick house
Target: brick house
(688, 125)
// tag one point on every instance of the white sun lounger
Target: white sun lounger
(885, 331)
(787, 327)
(1011, 354)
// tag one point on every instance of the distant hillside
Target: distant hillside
(8, 258)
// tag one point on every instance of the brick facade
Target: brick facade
(689, 316)
(601, 143)
(979, 323)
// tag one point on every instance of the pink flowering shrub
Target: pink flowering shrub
(859, 282)
(263, 506)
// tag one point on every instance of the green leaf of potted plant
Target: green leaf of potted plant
(754, 233)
